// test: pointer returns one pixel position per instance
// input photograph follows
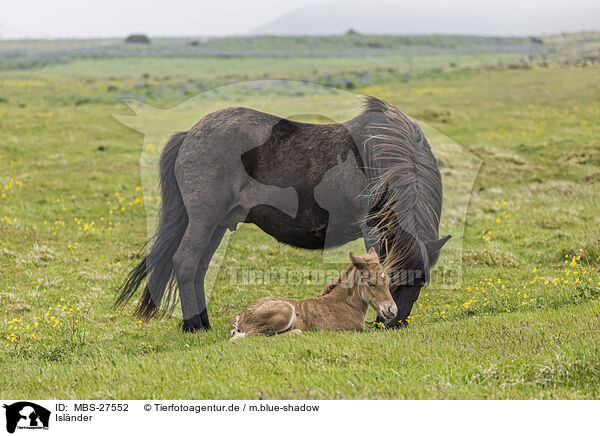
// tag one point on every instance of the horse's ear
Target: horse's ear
(434, 247)
(372, 252)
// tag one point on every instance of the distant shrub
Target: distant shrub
(137, 38)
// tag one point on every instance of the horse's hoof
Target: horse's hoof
(392, 324)
(194, 324)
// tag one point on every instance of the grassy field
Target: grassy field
(524, 321)
(32, 54)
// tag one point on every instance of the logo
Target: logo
(26, 415)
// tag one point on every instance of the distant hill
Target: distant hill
(513, 17)
(338, 18)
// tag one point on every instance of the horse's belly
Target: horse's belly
(304, 231)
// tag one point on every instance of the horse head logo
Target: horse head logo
(24, 414)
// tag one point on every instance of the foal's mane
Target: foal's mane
(338, 281)
(405, 188)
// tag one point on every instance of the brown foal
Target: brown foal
(342, 305)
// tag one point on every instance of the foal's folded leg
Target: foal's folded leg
(272, 317)
(292, 332)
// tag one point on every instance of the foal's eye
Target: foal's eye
(371, 283)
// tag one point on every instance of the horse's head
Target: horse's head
(373, 284)
(408, 281)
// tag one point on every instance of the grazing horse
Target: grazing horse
(342, 305)
(311, 186)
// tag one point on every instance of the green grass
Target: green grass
(276, 67)
(31, 54)
(524, 322)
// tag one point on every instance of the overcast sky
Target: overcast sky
(83, 18)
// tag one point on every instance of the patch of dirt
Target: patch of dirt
(498, 258)
(563, 187)
(491, 154)
(40, 255)
(592, 178)
(552, 224)
(586, 156)
(435, 114)
(588, 251)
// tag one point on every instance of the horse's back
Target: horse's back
(229, 131)
(238, 148)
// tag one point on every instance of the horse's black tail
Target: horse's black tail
(157, 266)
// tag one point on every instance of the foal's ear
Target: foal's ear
(356, 260)
(434, 248)
(372, 252)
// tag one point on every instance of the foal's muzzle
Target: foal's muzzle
(389, 310)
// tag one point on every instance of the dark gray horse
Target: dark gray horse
(312, 186)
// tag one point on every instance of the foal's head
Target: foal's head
(370, 281)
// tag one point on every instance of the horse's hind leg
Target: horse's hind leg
(203, 222)
(215, 240)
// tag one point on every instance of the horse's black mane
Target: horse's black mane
(374, 104)
(405, 187)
